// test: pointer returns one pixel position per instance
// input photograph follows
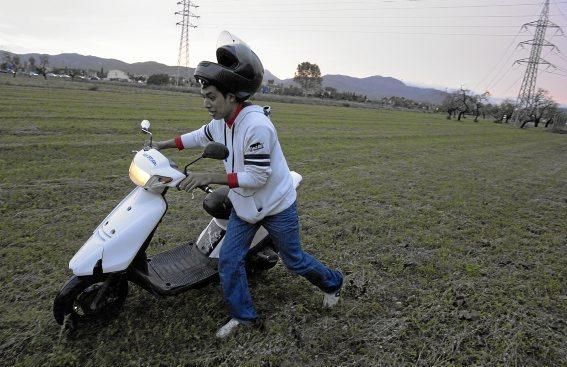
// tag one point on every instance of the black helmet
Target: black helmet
(238, 71)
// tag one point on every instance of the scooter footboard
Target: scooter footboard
(119, 237)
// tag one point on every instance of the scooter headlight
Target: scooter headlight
(138, 175)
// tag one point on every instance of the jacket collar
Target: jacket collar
(235, 113)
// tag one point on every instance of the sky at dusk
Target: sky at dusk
(437, 43)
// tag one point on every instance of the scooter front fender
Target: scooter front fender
(120, 235)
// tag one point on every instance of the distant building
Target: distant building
(117, 75)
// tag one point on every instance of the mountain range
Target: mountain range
(375, 87)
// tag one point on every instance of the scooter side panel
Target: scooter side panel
(86, 258)
(259, 236)
(119, 237)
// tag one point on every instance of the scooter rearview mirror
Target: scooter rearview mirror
(145, 125)
(215, 150)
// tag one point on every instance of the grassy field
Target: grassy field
(452, 235)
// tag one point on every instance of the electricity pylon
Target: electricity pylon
(525, 101)
(185, 23)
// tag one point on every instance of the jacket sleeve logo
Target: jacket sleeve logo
(255, 147)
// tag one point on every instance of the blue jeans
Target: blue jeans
(284, 232)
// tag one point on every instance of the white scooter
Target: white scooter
(116, 251)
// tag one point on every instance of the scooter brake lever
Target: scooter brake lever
(205, 188)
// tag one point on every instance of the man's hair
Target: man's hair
(221, 88)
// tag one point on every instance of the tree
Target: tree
(543, 107)
(7, 57)
(479, 103)
(503, 112)
(158, 79)
(292, 91)
(309, 77)
(451, 105)
(73, 73)
(7, 60)
(465, 103)
(558, 122)
(44, 60)
(31, 62)
(102, 74)
(461, 102)
(137, 78)
(16, 62)
(330, 92)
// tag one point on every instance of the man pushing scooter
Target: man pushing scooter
(261, 187)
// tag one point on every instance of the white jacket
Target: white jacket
(258, 175)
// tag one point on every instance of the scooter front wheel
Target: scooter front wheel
(88, 298)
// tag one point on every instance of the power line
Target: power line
(559, 9)
(561, 56)
(259, 16)
(311, 24)
(289, 29)
(286, 7)
(334, 2)
(512, 86)
(331, 3)
(551, 72)
(495, 82)
(499, 61)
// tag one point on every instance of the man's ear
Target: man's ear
(231, 97)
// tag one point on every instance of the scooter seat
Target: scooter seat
(217, 203)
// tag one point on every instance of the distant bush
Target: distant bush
(158, 79)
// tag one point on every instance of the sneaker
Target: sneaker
(228, 329)
(331, 299)
(233, 325)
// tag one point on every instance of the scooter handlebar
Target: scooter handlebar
(205, 188)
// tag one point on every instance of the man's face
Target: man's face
(218, 106)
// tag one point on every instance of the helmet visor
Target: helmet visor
(226, 39)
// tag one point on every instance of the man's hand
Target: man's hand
(155, 145)
(194, 180)
(159, 145)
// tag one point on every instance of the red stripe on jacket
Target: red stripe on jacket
(232, 179)
(179, 143)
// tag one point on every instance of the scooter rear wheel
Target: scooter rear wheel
(77, 301)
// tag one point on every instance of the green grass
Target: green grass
(452, 236)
